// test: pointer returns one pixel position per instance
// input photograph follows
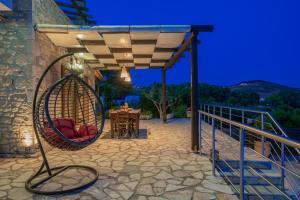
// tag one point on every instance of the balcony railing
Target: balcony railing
(231, 136)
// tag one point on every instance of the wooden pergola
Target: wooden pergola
(135, 47)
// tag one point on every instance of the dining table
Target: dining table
(124, 122)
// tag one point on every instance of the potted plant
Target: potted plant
(258, 147)
(188, 112)
(146, 115)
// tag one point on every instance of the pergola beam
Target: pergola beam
(179, 53)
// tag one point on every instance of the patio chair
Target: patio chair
(134, 124)
(122, 124)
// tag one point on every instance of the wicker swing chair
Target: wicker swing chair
(68, 116)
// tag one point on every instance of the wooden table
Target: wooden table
(124, 123)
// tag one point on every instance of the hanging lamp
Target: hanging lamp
(128, 78)
(124, 73)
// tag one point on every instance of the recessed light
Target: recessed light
(128, 55)
(122, 41)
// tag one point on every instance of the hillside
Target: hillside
(263, 88)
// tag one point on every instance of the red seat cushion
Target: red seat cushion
(87, 129)
(66, 126)
(83, 138)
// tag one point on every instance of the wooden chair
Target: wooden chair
(134, 124)
(122, 124)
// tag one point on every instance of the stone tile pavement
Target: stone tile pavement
(159, 167)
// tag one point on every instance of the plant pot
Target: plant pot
(188, 114)
(145, 117)
(217, 155)
(258, 148)
(170, 116)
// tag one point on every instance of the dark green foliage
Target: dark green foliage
(180, 111)
(113, 88)
(284, 104)
(285, 108)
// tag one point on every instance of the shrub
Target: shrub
(180, 111)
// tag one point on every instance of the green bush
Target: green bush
(180, 111)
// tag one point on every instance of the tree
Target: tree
(154, 94)
(113, 87)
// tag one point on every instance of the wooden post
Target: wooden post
(194, 93)
(163, 95)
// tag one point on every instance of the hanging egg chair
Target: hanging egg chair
(69, 116)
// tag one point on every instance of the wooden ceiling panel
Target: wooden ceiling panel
(137, 35)
(169, 40)
(117, 40)
(63, 40)
(98, 49)
(143, 49)
(142, 60)
(162, 55)
(86, 35)
(123, 56)
(108, 61)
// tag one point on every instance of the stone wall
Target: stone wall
(24, 54)
(16, 36)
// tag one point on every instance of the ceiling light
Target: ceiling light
(122, 41)
(124, 73)
(128, 78)
(128, 55)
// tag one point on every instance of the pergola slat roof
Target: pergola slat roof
(112, 47)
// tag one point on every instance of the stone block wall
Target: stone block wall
(24, 54)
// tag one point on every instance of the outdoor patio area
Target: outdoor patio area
(159, 166)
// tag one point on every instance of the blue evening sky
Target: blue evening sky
(253, 39)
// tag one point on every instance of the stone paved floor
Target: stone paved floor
(159, 167)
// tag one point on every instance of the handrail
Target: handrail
(278, 126)
(237, 108)
(281, 139)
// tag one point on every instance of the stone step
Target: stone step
(235, 164)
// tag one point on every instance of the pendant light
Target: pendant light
(128, 78)
(124, 72)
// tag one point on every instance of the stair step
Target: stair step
(252, 179)
(235, 164)
(266, 192)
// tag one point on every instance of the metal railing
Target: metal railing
(238, 131)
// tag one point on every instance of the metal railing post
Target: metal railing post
(200, 131)
(230, 127)
(208, 110)
(213, 147)
(205, 117)
(242, 167)
(262, 138)
(243, 117)
(282, 165)
(221, 115)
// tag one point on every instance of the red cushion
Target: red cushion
(83, 138)
(66, 126)
(65, 122)
(86, 129)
